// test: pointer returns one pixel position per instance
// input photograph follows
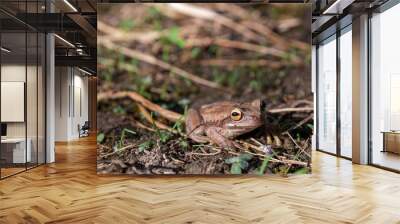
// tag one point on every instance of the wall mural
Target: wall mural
(213, 89)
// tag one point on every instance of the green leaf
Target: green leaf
(303, 170)
(195, 52)
(245, 157)
(174, 38)
(184, 144)
(100, 137)
(232, 160)
(129, 131)
(235, 168)
(243, 164)
(145, 145)
(127, 24)
(119, 110)
(154, 11)
(164, 136)
(263, 167)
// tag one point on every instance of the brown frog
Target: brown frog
(221, 122)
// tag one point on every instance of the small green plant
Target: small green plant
(173, 38)
(255, 85)
(239, 163)
(119, 110)
(195, 52)
(304, 170)
(126, 25)
(165, 53)
(183, 143)
(153, 13)
(145, 145)
(233, 78)
(143, 85)
(164, 135)
(179, 124)
(100, 137)
(264, 165)
(121, 141)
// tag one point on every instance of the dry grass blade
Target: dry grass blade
(231, 63)
(302, 149)
(105, 42)
(150, 119)
(115, 34)
(197, 42)
(305, 120)
(257, 148)
(207, 14)
(147, 37)
(169, 115)
(119, 150)
(289, 109)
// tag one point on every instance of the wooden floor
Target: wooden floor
(386, 159)
(69, 191)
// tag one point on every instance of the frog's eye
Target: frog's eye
(236, 114)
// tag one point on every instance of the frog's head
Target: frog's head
(243, 118)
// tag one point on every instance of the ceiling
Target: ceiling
(74, 22)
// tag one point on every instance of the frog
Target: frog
(221, 122)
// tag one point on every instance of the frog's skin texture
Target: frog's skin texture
(221, 122)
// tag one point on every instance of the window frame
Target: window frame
(342, 27)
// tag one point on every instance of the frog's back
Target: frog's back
(216, 112)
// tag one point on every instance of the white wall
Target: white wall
(12, 73)
(71, 94)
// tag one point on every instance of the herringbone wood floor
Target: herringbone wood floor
(69, 191)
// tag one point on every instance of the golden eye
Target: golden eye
(236, 114)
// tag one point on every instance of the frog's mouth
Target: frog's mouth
(240, 126)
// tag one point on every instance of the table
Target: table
(13, 150)
(391, 141)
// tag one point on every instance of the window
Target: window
(346, 92)
(385, 89)
(327, 95)
(22, 101)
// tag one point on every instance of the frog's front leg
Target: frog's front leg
(214, 133)
(195, 128)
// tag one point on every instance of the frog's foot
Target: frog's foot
(219, 139)
(199, 138)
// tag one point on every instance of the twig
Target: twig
(278, 40)
(196, 42)
(147, 37)
(103, 41)
(120, 150)
(305, 120)
(206, 154)
(140, 125)
(169, 115)
(285, 161)
(148, 117)
(287, 24)
(301, 148)
(207, 14)
(254, 22)
(241, 62)
(115, 34)
(287, 110)
(299, 102)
